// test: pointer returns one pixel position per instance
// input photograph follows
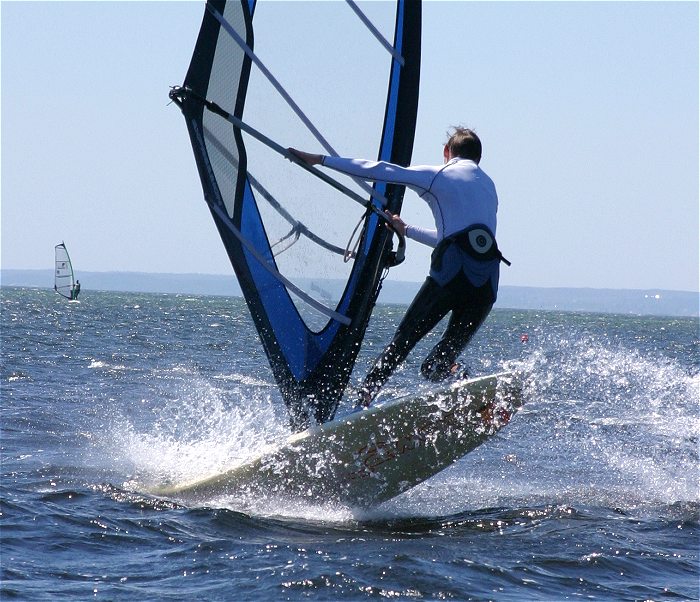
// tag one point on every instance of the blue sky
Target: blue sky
(588, 112)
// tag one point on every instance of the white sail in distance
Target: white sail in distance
(64, 280)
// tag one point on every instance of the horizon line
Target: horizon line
(233, 275)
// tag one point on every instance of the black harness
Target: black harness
(477, 241)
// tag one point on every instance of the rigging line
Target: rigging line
(294, 232)
(273, 272)
(376, 33)
(351, 253)
(290, 101)
(302, 228)
(298, 227)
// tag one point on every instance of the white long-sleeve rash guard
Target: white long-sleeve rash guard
(458, 193)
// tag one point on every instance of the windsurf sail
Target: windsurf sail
(64, 282)
(309, 251)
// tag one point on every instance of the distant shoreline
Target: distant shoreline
(651, 302)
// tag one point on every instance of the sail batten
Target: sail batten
(284, 228)
(273, 80)
(237, 122)
(375, 32)
(179, 94)
(298, 227)
(250, 248)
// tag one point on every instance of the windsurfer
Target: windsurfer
(464, 269)
(76, 290)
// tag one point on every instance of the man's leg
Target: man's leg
(463, 325)
(430, 305)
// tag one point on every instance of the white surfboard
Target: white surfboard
(372, 455)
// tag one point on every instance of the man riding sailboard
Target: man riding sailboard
(464, 269)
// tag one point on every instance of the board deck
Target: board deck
(371, 456)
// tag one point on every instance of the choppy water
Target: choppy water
(591, 492)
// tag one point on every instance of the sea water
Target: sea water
(590, 492)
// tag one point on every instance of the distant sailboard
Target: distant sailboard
(284, 226)
(64, 279)
(372, 455)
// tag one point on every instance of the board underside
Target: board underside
(371, 456)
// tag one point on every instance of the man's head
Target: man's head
(463, 143)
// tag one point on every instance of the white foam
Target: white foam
(602, 425)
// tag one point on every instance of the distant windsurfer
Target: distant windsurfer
(464, 269)
(76, 290)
